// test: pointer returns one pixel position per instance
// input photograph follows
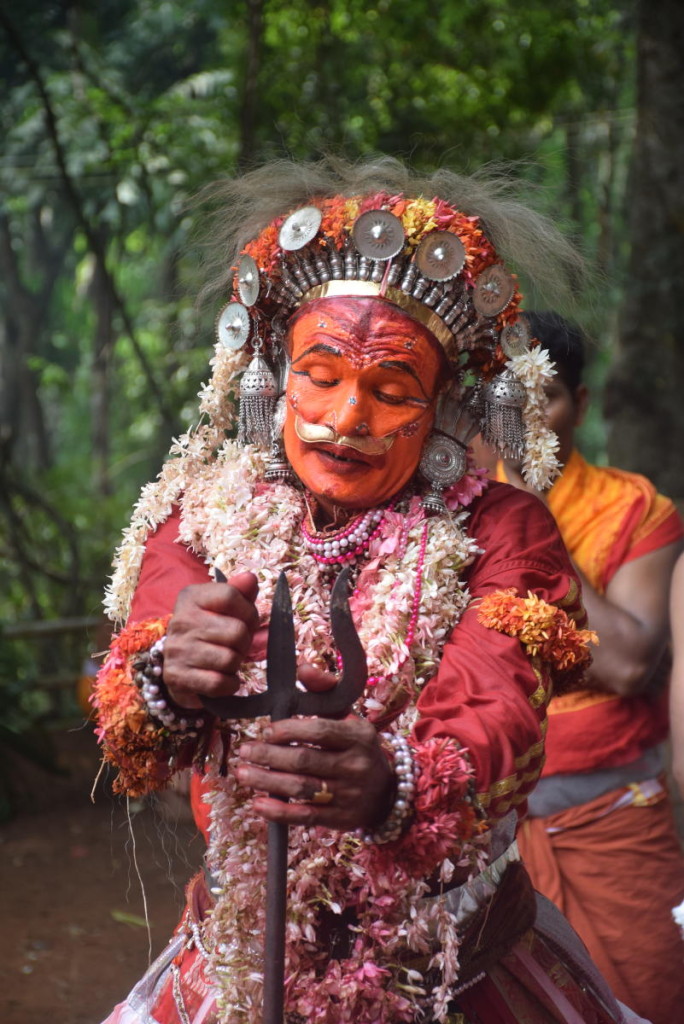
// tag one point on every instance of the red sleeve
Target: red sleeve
(167, 567)
(487, 694)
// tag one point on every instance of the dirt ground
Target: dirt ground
(73, 938)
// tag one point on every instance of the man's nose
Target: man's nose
(352, 415)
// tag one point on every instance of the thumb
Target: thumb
(246, 583)
(314, 679)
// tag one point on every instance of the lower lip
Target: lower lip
(344, 467)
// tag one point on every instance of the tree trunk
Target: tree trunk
(100, 378)
(644, 399)
(248, 117)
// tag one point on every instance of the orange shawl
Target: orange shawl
(607, 517)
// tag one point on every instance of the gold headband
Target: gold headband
(354, 289)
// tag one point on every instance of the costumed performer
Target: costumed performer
(372, 330)
(600, 839)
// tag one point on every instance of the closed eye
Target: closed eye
(318, 382)
(389, 399)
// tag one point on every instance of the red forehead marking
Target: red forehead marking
(361, 330)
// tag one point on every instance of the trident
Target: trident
(282, 699)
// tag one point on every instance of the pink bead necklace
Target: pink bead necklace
(347, 544)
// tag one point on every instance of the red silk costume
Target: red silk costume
(492, 698)
(519, 551)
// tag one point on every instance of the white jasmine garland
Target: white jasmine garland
(233, 521)
(540, 466)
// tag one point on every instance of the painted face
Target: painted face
(360, 399)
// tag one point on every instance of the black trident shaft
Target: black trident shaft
(282, 699)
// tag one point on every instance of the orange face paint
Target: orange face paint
(360, 399)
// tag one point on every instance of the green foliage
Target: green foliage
(114, 112)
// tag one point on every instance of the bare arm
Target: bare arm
(677, 680)
(631, 620)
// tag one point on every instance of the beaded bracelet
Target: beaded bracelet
(148, 668)
(402, 807)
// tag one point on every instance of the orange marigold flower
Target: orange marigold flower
(136, 744)
(546, 631)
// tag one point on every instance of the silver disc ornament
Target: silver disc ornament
(443, 461)
(378, 235)
(515, 338)
(493, 290)
(248, 280)
(440, 256)
(300, 228)
(233, 326)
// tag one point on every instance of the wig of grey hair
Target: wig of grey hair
(236, 210)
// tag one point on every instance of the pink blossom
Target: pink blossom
(471, 485)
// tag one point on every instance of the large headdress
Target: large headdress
(286, 233)
(436, 262)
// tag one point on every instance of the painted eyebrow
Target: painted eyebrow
(399, 364)
(320, 346)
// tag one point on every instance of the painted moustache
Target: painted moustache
(312, 433)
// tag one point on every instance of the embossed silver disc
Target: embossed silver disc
(378, 235)
(440, 256)
(248, 280)
(233, 325)
(443, 461)
(515, 338)
(300, 228)
(493, 290)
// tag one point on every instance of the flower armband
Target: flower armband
(547, 633)
(444, 821)
(139, 729)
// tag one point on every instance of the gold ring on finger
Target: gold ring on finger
(322, 795)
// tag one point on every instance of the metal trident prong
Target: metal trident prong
(282, 699)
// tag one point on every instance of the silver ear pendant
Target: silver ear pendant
(278, 469)
(442, 464)
(258, 396)
(504, 400)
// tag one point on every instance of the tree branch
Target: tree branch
(85, 225)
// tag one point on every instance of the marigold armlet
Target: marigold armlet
(146, 750)
(545, 631)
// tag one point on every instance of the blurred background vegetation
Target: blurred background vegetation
(114, 112)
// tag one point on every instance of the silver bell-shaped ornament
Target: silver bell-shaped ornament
(278, 469)
(258, 396)
(504, 400)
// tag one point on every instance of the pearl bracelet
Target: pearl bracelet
(393, 825)
(149, 678)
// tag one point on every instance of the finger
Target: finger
(183, 660)
(220, 598)
(315, 680)
(187, 691)
(342, 819)
(246, 583)
(302, 760)
(323, 732)
(288, 786)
